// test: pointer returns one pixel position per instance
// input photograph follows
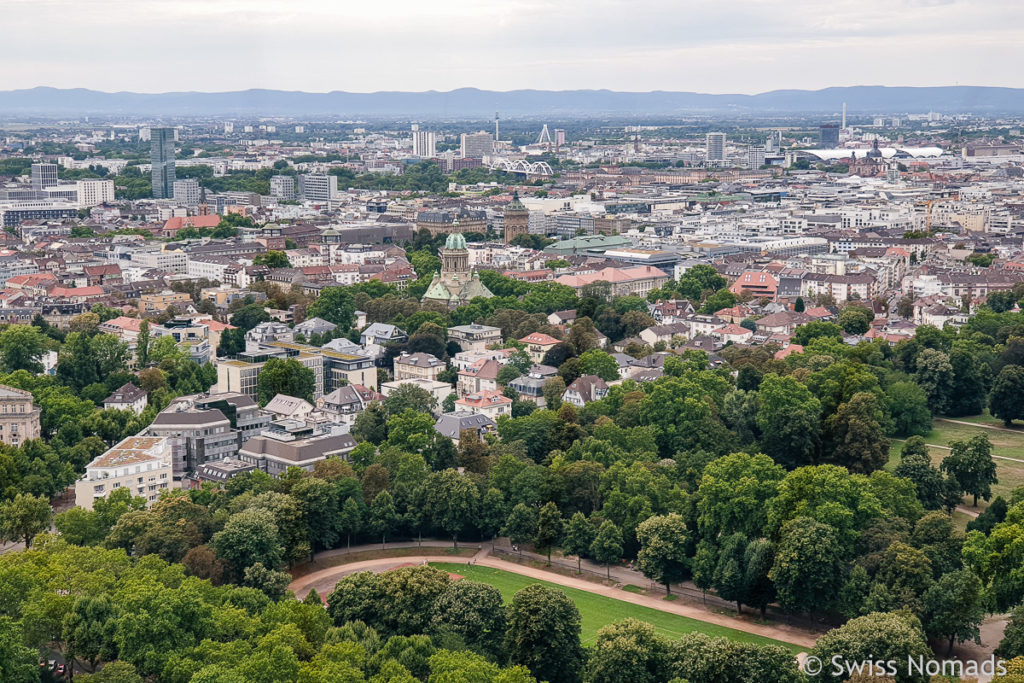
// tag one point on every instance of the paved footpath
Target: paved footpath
(324, 581)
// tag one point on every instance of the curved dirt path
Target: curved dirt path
(324, 580)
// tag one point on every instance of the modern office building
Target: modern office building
(714, 148)
(283, 187)
(186, 191)
(291, 443)
(43, 176)
(13, 213)
(315, 187)
(424, 143)
(476, 145)
(204, 428)
(755, 156)
(161, 156)
(829, 133)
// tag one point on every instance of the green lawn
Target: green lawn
(597, 610)
(1004, 443)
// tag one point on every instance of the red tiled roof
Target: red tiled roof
(125, 323)
(792, 348)
(483, 399)
(216, 325)
(31, 279)
(539, 338)
(75, 291)
(179, 222)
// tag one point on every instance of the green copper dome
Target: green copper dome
(515, 204)
(455, 241)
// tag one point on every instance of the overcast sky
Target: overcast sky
(716, 46)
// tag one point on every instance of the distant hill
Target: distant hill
(467, 102)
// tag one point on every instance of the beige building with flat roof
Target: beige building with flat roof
(157, 303)
(141, 464)
(19, 417)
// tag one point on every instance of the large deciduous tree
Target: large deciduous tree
(544, 634)
(855, 438)
(452, 502)
(789, 419)
(1006, 401)
(663, 545)
(475, 612)
(970, 463)
(629, 650)
(954, 609)
(935, 376)
(807, 571)
(879, 637)
(908, 408)
(22, 347)
(23, 517)
(334, 305)
(607, 545)
(579, 535)
(250, 536)
(285, 376)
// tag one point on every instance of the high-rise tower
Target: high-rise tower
(161, 156)
(714, 148)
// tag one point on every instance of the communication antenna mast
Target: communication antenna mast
(496, 136)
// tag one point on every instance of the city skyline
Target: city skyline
(755, 46)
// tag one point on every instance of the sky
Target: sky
(714, 46)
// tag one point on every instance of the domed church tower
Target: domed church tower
(456, 284)
(454, 256)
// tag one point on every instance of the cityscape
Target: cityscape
(588, 374)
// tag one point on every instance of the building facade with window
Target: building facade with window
(141, 464)
(19, 416)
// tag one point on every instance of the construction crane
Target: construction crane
(927, 203)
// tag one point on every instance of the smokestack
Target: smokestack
(844, 115)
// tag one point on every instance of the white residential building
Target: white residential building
(93, 192)
(142, 464)
(186, 191)
(424, 143)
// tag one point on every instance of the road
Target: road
(324, 581)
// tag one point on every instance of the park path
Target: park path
(979, 424)
(967, 511)
(947, 448)
(324, 580)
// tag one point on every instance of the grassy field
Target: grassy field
(597, 610)
(1007, 444)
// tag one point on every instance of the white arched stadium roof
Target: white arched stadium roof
(887, 152)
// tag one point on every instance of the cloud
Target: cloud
(320, 45)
